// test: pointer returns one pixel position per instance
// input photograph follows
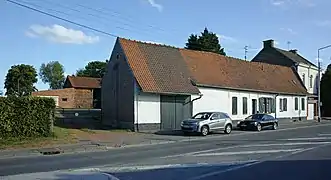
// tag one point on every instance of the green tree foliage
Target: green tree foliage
(53, 74)
(325, 91)
(94, 69)
(20, 80)
(207, 41)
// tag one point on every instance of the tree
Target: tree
(53, 74)
(207, 41)
(325, 91)
(20, 80)
(94, 69)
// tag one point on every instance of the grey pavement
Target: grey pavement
(207, 158)
(142, 139)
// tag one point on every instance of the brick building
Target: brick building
(77, 92)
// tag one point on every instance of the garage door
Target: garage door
(173, 110)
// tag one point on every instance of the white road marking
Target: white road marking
(324, 134)
(247, 146)
(247, 152)
(204, 176)
(308, 138)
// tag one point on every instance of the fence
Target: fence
(78, 118)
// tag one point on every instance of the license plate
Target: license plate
(243, 125)
(186, 126)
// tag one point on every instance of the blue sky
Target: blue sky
(32, 38)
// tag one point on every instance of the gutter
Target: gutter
(200, 96)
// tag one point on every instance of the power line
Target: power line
(60, 18)
(97, 16)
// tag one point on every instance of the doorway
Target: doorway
(254, 106)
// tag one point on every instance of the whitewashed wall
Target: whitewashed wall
(308, 71)
(147, 108)
(221, 100)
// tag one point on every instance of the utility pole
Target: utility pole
(246, 50)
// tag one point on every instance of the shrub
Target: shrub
(22, 117)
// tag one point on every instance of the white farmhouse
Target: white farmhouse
(154, 87)
(307, 71)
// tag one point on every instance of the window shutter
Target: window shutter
(273, 105)
(261, 105)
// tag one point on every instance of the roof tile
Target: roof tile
(84, 82)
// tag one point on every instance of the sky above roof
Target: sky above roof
(33, 38)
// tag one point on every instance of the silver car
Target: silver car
(205, 122)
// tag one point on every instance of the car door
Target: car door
(214, 121)
(223, 119)
(267, 120)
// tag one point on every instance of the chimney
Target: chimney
(294, 51)
(269, 43)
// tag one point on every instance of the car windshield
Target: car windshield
(202, 116)
(255, 116)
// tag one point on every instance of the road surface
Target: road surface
(295, 153)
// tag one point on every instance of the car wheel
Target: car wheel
(275, 126)
(228, 129)
(258, 127)
(204, 130)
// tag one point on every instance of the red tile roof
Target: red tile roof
(165, 69)
(84, 82)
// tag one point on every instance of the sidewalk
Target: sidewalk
(92, 142)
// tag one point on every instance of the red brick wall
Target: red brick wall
(70, 97)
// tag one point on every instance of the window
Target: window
(266, 105)
(283, 104)
(234, 105)
(304, 79)
(296, 104)
(215, 116)
(64, 99)
(311, 81)
(224, 115)
(244, 105)
(303, 104)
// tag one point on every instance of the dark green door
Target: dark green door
(174, 109)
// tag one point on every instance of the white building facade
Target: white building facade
(150, 87)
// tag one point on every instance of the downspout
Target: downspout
(276, 105)
(137, 115)
(200, 96)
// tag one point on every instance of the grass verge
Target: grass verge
(61, 136)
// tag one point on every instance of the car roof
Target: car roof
(211, 112)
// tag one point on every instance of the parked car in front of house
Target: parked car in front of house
(258, 122)
(206, 122)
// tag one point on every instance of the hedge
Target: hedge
(22, 117)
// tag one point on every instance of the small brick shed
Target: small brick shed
(77, 92)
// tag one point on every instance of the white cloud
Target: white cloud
(325, 23)
(227, 38)
(289, 30)
(277, 3)
(159, 7)
(59, 34)
(282, 3)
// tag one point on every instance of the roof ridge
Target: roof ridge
(150, 43)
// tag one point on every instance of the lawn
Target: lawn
(61, 136)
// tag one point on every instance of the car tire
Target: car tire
(259, 127)
(228, 129)
(204, 130)
(275, 126)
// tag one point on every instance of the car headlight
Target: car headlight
(238, 122)
(255, 123)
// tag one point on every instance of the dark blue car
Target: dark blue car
(258, 122)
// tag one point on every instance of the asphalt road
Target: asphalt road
(296, 153)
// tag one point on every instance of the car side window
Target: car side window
(223, 116)
(215, 116)
(265, 118)
(270, 117)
